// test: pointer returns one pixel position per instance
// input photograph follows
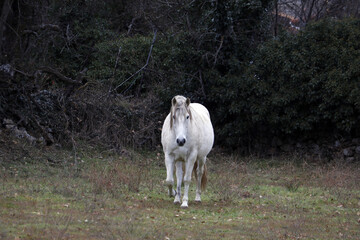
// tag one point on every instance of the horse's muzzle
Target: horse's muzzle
(181, 142)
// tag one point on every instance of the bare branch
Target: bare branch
(48, 137)
(143, 67)
(117, 61)
(202, 84)
(31, 32)
(218, 50)
(131, 24)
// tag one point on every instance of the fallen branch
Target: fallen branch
(60, 75)
(49, 26)
(23, 73)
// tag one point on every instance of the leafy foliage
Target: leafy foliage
(220, 53)
(297, 85)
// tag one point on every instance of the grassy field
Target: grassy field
(46, 194)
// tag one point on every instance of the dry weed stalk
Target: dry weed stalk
(116, 177)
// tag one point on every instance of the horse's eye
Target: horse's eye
(187, 117)
(174, 117)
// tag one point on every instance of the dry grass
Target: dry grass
(122, 196)
(116, 177)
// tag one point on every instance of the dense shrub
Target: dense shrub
(117, 62)
(296, 85)
(220, 53)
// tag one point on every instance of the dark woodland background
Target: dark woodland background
(277, 76)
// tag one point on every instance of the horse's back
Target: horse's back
(203, 127)
(199, 108)
(201, 115)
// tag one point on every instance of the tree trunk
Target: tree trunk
(6, 8)
(276, 18)
(309, 15)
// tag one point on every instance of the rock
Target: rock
(337, 143)
(19, 133)
(350, 159)
(7, 69)
(315, 149)
(22, 133)
(357, 150)
(9, 124)
(348, 152)
(41, 140)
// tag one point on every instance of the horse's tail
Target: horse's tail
(204, 176)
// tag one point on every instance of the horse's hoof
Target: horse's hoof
(177, 200)
(184, 205)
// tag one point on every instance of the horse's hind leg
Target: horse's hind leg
(179, 176)
(200, 171)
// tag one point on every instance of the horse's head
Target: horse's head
(180, 118)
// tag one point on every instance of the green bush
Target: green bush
(116, 60)
(216, 52)
(296, 85)
(117, 63)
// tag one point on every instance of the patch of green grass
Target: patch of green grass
(112, 196)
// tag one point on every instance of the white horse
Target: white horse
(187, 137)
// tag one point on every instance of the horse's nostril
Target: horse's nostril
(181, 142)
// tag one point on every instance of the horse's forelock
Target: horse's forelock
(181, 103)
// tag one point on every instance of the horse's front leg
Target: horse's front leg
(189, 165)
(169, 163)
(179, 176)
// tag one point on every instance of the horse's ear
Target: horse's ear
(187, 107)
(173, 101)
(171, 120)
(187, 102)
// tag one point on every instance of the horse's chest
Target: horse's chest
(181, 153)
